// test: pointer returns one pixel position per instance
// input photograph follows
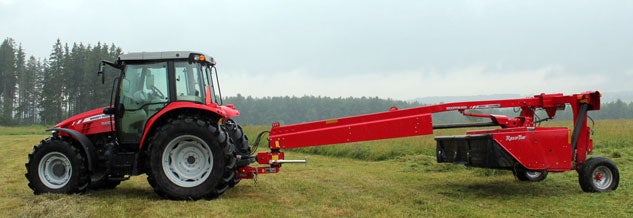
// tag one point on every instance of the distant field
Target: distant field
(389, 178)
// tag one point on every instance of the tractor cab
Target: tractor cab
(149, 81)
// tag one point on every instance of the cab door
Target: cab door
(144, 91)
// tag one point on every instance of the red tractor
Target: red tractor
(167, 121)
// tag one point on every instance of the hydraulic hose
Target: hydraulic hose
(255, 144)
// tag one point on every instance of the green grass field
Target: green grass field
(389, 178)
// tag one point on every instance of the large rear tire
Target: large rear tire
(242, 149)
(189, 159)
(598, 174)
(56, 166)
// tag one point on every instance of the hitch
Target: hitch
(273, 159)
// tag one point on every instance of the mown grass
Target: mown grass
(405, 184)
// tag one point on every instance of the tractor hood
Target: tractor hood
(90, 122)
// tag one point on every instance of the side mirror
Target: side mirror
(100, 72)
(102, 66)
(109, 110)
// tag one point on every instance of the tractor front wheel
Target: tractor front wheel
(189, 160)
(56, 166)
(598, 174)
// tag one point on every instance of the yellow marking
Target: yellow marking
(569, 136)
(275, 157)
(332, 121)
(276, 144)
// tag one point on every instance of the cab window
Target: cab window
(189, 81)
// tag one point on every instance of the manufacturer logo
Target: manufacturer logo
(515, 138)
(474, 107)
(455, 108)
(486, 106)
(96, 117)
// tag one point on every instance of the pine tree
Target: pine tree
(52, 90)
(9, 79)
(25, 83)
(33, 78)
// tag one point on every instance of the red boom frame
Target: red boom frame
(551, 149)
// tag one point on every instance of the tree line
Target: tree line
(288, 110)
(46, 91)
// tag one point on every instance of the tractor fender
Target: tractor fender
(221, 111)
(86, 144)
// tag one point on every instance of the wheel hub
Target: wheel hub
(187, 161)
(602, 177)
(59, 170)
(533, 174)
(598, 176)
(55, 170)
(191, 159)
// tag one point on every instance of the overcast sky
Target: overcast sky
(390, 49)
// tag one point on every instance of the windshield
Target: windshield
(209, 80)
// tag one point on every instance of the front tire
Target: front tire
(188, 160)
(598, 174)
(56, 166)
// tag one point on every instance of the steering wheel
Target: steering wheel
(158, 93)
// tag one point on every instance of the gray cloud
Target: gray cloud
(333, 38)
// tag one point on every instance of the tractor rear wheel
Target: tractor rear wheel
(240, 142)
(526, 175)
(56, 166)
(598, 174)
(189, 159)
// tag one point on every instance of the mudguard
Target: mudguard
(87, 145)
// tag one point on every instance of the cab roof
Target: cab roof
(165, 55)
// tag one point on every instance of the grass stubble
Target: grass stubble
(384, 178)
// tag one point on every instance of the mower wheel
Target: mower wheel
(526, 175)
(598, 174)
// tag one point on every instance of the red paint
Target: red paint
(88, 123)
(223, 111)
(535, 148)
